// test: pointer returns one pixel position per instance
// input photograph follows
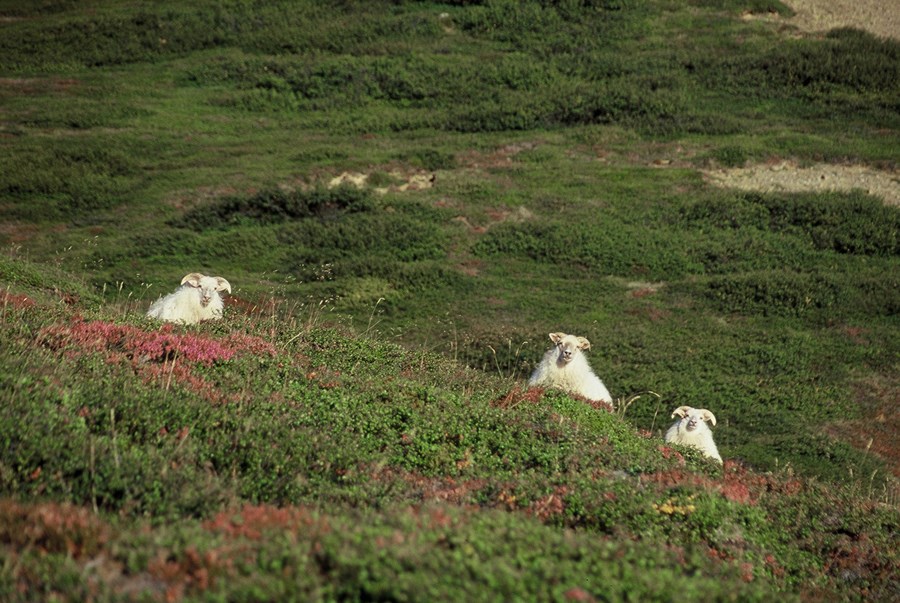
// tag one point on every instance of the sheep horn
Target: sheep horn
(193, 279)
(681, 411)
(222, 284)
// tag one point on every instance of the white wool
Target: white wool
(690, 429)
(566, 367)
(196, 300)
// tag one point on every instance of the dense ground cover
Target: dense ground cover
(357, 426)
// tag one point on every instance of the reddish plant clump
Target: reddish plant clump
(52, 528)
(737, 492)
(162, 355)
(579, 595)
(668, 453)
(192, 572)
(18, 302)
(548, 506)
(774, 567)
(517, 395)
(252, 521)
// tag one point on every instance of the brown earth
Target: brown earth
(879, 17)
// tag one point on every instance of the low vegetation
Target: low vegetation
(358, 426)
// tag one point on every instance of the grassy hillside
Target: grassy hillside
(407, 197)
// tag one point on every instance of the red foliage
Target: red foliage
(517, 395)
(668, 453)
(546, 507)
(579, 595)
(252, 522)
(774, 567)
(52, 528)
(738, 484)
(16, 301)
(532, 395)
(139, 345)
(193, 571)
(736, 492)
(644, 292)
(857, 556)
(163, 355)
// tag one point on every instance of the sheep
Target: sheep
(197, 299)
(566, 367)
(690, 429)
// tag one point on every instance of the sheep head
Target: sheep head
(692, 418)
(208, 286)
(568, 346)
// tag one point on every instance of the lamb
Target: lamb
(690, 429)
(197, 299)
(566, 367)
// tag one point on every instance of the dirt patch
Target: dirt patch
(875, 16)
(787, 176)
(878, 17)
(499, 158)
(37, 85)
(404, 181)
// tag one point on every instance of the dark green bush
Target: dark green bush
(275, 206)
(429, 159)
(376, 236)
(778, 293)
(65, 180)
(603, 247)
(846, 223)
(848, 60)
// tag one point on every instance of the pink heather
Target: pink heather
(157, 346)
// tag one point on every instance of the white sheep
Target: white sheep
(197, 299)
(566, 367)
(690, 429)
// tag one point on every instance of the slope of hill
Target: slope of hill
(407, 197)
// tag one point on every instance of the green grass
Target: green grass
(357, 427)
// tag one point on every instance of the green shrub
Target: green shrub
(779, 293)
(275, 206)
(850, 223)
(65, 180)
(429, 159)
(848, 60)
(604, 247)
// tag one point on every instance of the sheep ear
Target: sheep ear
(557, 337)
(583, 344)
(222, 284)
(192, 279)
(708, 416)
(681, 411)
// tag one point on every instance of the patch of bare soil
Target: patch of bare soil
(878, 17)
(787, 176)
(406, 181)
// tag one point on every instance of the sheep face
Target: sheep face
(690, 429)
(207, 286)
(568, 346)
(693, 418)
